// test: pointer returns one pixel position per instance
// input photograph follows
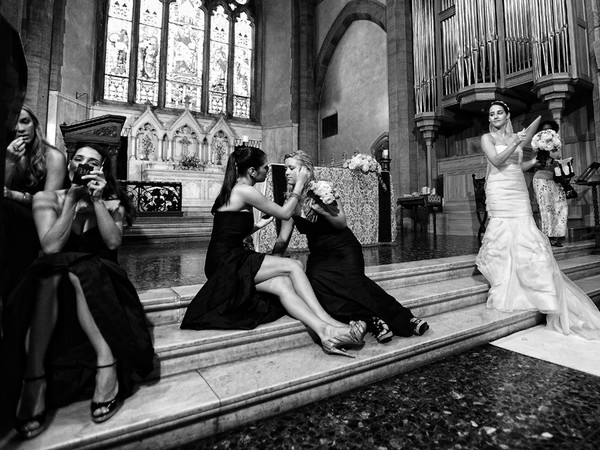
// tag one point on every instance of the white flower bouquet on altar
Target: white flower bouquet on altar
(320, 192)
(365, 164)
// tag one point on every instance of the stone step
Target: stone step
(182, 350)
(213, 399)
(167, 305)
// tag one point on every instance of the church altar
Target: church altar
(199, 188)
(360, 195)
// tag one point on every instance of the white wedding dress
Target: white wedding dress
(517, 260)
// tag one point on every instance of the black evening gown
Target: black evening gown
(20, 245)
(336, 270)
(228, 299)
(71, 360)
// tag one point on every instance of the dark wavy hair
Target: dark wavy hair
(113, 189)
(36, 149)
(502, 104)
(238, 163)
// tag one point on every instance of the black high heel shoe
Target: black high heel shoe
(112, 406)
(419, 326)
(21, 425)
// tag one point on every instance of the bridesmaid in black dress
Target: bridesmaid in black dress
(32, 165)
(245, 288)
(75, 318)
(343, 288)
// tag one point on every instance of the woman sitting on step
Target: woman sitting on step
(245, 288)
(344, 290)
(75, 317)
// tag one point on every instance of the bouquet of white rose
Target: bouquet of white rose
(319, 192)
(546, 142)
(362, 162)
(365, 164)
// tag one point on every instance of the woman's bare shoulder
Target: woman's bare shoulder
(54, 155)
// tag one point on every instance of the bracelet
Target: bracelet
(24, 196)
(296, 196)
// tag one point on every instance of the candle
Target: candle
(245, 138)
(385, 153)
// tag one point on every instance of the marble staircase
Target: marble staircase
(208, 382)
(164, 229)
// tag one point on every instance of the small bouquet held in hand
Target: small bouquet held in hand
(365, 164)
(548, 145)
(546, 142)
(322, 193)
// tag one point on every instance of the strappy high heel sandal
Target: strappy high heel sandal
(333, 346)
(112, 406)
(419, 326)
(358, 330)
(21, 425)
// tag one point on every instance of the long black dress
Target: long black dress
(71, 361)
(20, 243)
(228, 299)
(336, 271)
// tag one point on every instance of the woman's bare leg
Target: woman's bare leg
(282, 287)
(107, 384)
(32, 401)
(273, 266)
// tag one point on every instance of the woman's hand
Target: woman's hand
(95, 183)
(302, 176)
(263, 222)
(16, 150)
(519, 138)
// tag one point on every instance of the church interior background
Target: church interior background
(405, 81)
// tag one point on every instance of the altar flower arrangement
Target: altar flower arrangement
(365, 164)
(190, 162)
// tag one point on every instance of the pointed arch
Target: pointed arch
(370, 10)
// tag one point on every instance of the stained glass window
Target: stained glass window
(219, 61)
(185, 55)
(148, 51)
(181, 53)
(118, 44)
(242, 66)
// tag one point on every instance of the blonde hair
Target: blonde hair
(305, 160)
(36, 169)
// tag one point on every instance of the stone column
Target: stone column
(555, 90)
(308, 126)
(403, 145)
(38, 34)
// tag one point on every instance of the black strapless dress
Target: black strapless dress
(19, 244)
(228, 299)
(71, 360)
(336, 270)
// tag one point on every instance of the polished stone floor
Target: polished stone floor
(486, 398)
(165, 265)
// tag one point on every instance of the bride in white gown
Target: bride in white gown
(515, 257)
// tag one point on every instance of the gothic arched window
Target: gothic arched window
(169, 53)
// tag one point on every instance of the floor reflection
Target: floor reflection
(164, 265)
